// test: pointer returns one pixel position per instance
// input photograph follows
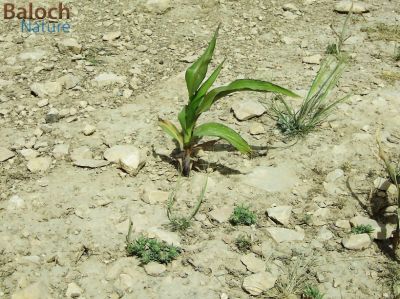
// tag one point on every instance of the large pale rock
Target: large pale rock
(155, 197)
(155, 269)
(50, 89)
(171, 238)
(35, 291)
(115, 153)
(5, 154)
(247, 109)
(258, 283)
(280, 234)
(82, 152)
(357, 242)
(280, 214)
(69, 45)
(221, 214)
(40, 164)
(345, 6)
(107, 79)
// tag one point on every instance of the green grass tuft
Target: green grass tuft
(242, 215)
(362, 229)
(152, 250)
(243, 243)
(312, 293)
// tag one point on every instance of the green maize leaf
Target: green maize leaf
(241, 85)
(171, 130)
(196, 73)
(210, 81)
(224, 132)
(182, 118)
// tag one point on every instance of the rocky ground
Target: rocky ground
(77, 109)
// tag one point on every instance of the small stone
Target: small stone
(247, 109)
(15, 203)
(116, 152)
(320, 216)
(69, 45)
(280, 214)
(110, 36)
(60, 151)
(252, 263)
(40, 164)
(154, 269)
(35, 291)
(290, 7)
(256, 129)
(43, 103)
(345, 6)
(29, 153)
(154, 6)
(334, 175)
(44, 89)
(256, 284)
(324, 234)
(82, 152)
(142, 48)
(5, 154)
(285, 235)
(148, 32)
(73, 291)
(90, 163)
(89, 130)
(345, 224)
(106, 79)
(52, 116)
(32, 54)
(221, 214)
(357, 242)
(155, 197)
(69, 81)
(314, 59)
(382, 184)
(131, 162)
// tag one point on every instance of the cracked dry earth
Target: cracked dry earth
(66, 105)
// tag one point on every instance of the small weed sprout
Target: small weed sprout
(243, 243)
(315, 107)
(150, 250)
(311, 292)
(242, 215)
(362, 229)
(342, 36)
(201, 99)
(180, 223)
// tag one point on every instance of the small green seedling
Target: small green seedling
(242, 215)
(201, 98)
(362, 229)
(243, 243)
(311, 292)
(315, 107)
(152, 250)
(180, 223)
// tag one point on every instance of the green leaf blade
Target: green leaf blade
(171, 130)
(242, 85)
(196, 73)
(224, 132)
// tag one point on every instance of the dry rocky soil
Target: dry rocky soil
(79, 110)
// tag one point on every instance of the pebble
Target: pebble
(73, 290)
(32, 54)
(15, 203)
(345, 6)
(52, 116)
(357, 242)
(324, 234)
(280, 214)
(154, 6)
(90, 163)
(221, 214)
(314, 59)
(116, 152)
(69, 45)
(89, 130)
(28, 153)
(69, 81)
(345, 224)
(51, 89)
(247, 109)
(154, 269)
(40, 164)
(258, 283)
(252, 263)
(256, 129)
(106, 79)
(43, 103)
(280, 234)
(155, 197)
(60, 151)
(80, 153)
(110, 36)
(334, 175)
(132, 161)
(5, 154)
(382, 184)
(142, 48)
